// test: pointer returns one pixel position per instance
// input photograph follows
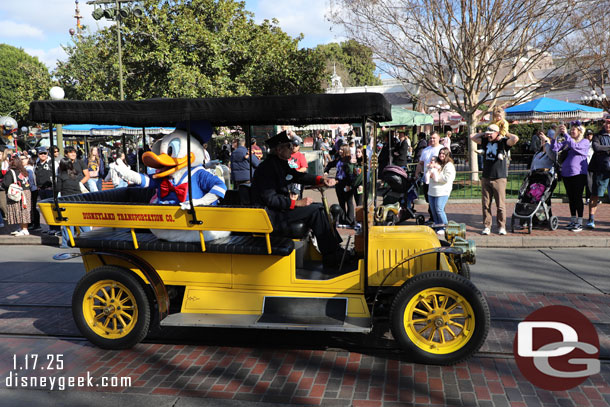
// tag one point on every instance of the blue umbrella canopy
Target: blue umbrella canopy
(552, 109)
(108, 130)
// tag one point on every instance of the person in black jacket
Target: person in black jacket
(241, 171)
(270, 189)
(401, 151)
(43, 171)
(600, 166)
(422, 143)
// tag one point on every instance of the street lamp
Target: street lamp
(595, 100)
(57, 93)
(116, 13)
(439, 108)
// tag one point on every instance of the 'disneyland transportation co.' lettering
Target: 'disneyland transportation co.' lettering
(134, 217)
(140, 217)
(98, 216)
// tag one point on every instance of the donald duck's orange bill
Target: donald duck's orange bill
(164, 162)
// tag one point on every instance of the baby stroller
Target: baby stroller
(534, 202)
(399, 199)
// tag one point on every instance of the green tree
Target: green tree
(23, 78)
(195, 48)
(352, 61)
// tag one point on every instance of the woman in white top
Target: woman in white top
(442, 175)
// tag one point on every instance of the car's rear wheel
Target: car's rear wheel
(440, 318)
(110, 308)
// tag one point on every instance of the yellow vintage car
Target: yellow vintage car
(258, 277)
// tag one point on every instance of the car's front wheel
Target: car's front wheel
(440, 318)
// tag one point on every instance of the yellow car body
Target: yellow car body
(217, 283)
(253, 278)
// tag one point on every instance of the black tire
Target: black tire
(512, 225)
(134, 317)
(420, 219)
(553, 222)
(442, 287)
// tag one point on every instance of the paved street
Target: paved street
(239, 367)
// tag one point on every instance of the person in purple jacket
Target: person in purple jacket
(574, 169)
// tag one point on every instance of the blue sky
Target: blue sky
(41, 27)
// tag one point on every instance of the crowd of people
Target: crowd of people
(580, 158)
(26, 178)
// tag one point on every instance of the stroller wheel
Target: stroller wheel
(391, 219)
(553, 223)
(420, 219)
(529, 226)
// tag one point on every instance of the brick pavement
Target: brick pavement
(283, 367)
(470, 214)
(302, 376)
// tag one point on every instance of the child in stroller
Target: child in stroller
(534, 204)
(399, 199)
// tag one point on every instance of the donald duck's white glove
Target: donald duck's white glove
(207, 199)
(126, 173)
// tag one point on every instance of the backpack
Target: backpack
(14, 191)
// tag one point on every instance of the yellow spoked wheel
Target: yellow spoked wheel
(440, 318)
(110, 308)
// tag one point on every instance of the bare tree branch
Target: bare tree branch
(469, 53)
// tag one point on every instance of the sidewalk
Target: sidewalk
(461, 211)
(470, 213)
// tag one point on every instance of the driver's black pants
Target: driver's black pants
(315, 218)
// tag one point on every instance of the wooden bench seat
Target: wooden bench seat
(121, 239)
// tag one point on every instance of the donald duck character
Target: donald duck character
(168, 157)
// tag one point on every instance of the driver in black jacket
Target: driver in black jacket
(270, 189)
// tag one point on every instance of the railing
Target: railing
(464, 188)
(518, 162)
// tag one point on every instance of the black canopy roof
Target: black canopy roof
(251, 110)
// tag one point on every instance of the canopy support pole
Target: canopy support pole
(58, 210)
(370, 167)
(194, 220)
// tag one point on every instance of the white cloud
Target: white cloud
(53, 18)
(48, 57)
(11, 29)
(302, 16)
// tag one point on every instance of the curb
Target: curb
(30, 240)
(537, 241)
